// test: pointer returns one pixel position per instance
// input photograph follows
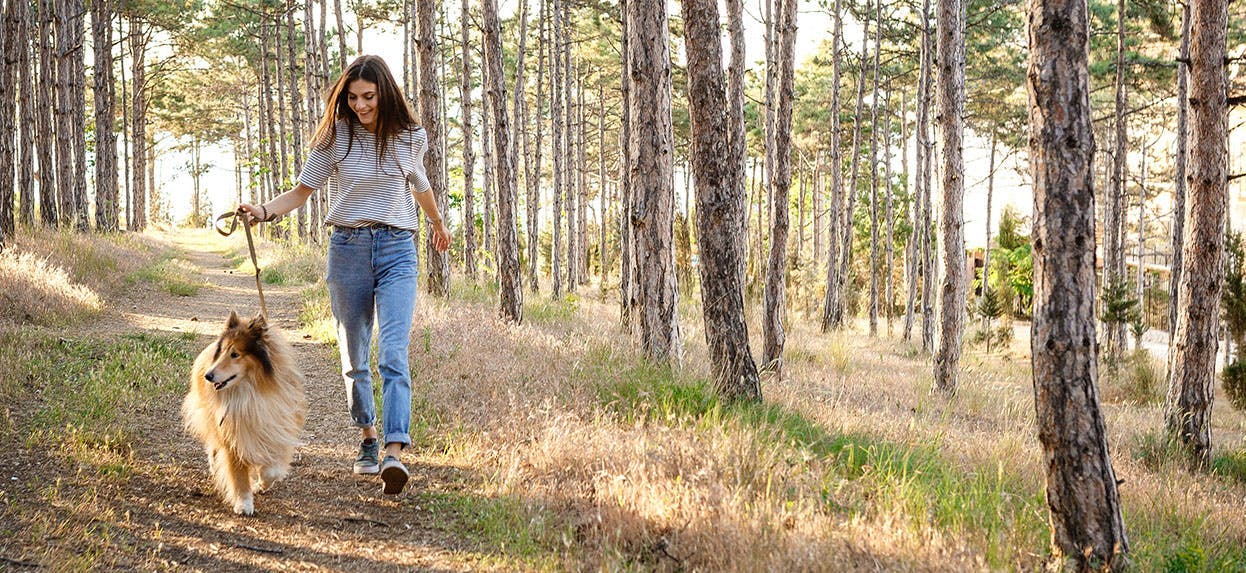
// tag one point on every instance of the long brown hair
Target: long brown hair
(393, 116)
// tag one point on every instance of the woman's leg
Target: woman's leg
(351, 282)
(396, 287)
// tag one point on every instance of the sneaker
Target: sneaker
(394, 475)
(369, 454)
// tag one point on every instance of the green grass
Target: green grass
(315, 314)
(171, 274)
(506, 527)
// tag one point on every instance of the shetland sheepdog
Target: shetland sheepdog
(246, 404)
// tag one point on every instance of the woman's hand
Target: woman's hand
(441, 236)
(254, 214)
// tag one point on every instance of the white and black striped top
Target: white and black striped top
(366, 191)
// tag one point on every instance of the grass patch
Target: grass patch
(507, 527)
(171, 274)
(992, 507)
(316, 315)
(551, 311)
(281, 263)
(1138, 381)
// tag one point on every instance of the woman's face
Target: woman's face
(362, 98)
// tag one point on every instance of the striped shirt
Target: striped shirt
(367, 191)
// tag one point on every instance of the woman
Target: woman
(371, 146)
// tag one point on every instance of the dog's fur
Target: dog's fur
(246, 404)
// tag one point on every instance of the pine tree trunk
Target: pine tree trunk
(627, 288)
(488, 153)
(518, 115)
(951, 90)
(601, 184)
(1114, 216)
(1179, 177)
(582, 226)
(296, 115)
(990, 194)
(534, 174)
(78, 113)
(106, 204)
(1088, 532)
(890, 238)
(138, 117)
(571, 166)
(556, 150)
(1187, 409)
(832, 314)
(8, 119)
(469, 156)
(64, 115)
(930, 272)
(341, 34)
(911, 250)
(878, 39)
(283, 145)
(430, 118)
(837, 312)
(781, 182)
(816, 189)
(719, 206)
(126, 194)
(735, 129)
(25, 97)
(507, 252)
(652, 178)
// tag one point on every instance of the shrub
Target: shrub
(1235, 384)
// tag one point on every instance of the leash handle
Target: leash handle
(237, 216)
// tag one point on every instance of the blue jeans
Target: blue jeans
(372, 271)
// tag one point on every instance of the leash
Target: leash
(238, 216)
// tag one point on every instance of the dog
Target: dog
(246, 404)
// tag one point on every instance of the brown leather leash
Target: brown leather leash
(239, 216)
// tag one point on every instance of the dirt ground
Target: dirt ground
(165, 515)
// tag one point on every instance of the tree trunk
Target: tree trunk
(878, 42)
(78, 112)
(534, 177)
(735, 129)
(570, 165)
(832, 313)
(25, 82)
(1179, 178)
(64, 115)
(601, 184)
(1087, 529)
(719, 207)
(507, 252)
(990, 194)
(1114, 209)
(582, 171)
(1187, 409)
(518, 116)
(781, 182)
(911, 264)
(488, 152)
(837, 312)
(8, 119)
(951, 90)
(652, 178)
(889, 240)
(296, 115)
(341, 34)
(106, 204)
(930, 272)
(627, 288)
(138, 117)
(469, 156)
(430, 117)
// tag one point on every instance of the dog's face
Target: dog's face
(242, 349)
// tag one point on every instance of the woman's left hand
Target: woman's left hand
(441, 236)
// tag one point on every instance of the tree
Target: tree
(138, 119)
(533, 166)
(1179, 169)
(48, 213)
(874, 104)
(715, 148)
(507, 252)
(1088, 531)
(107, 206)
(25, 85)
(1187, 408)
(469, 158)
(430, 118)
(557, 151)
(8, 117)
(831, 301)
(1114, 208)
(781, 182)
(627, 287)
(653, 190)
(951, 92)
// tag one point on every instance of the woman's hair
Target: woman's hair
(393, 116)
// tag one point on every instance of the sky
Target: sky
(813, 25)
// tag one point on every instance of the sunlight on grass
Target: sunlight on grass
(171, 274)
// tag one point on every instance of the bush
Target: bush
(992, 337)
(1235, 384)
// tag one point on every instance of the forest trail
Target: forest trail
(322, 517)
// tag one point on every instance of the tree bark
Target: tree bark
(78, 112)
(1087, 529)
(138, 117)
(627, 288)
(719, 207)
(832, 314)
(507, 252)
(1114, 216)
(781, 182)
(1179, 178)
(488, 152)
(25, 86)
(911, 250)
(430, 117)
(990, 194)
(8, 119)
(878, 42)
(571, 166)
(534, 173)
(1187, 409)
(951, 90)
(64, 111)
(652, 178)
(930, 272)
(106, 204)
(889, 239)
(341, 35)
(296, 115)
(735, 127)
(556, 151)
(469, 156)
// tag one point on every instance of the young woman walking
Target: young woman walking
(370, 145)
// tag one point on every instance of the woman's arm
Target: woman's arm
(441, 235)
(284, 203)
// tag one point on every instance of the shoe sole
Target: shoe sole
(394, 479)
(367, 470)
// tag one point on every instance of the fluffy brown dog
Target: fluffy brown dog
(246, 404)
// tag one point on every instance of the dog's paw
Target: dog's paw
(245, 506)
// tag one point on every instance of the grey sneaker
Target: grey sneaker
(394, 475)
(369, 454)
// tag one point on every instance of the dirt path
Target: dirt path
(321, 518)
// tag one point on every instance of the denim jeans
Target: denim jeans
(372, 272)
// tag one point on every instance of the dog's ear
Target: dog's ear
(234, 320)
(258, 324)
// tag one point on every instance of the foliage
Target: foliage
(1233, 297)
(1234, 378)
(1012, 264)
(1119, 307)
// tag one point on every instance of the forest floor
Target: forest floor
(552, 446)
